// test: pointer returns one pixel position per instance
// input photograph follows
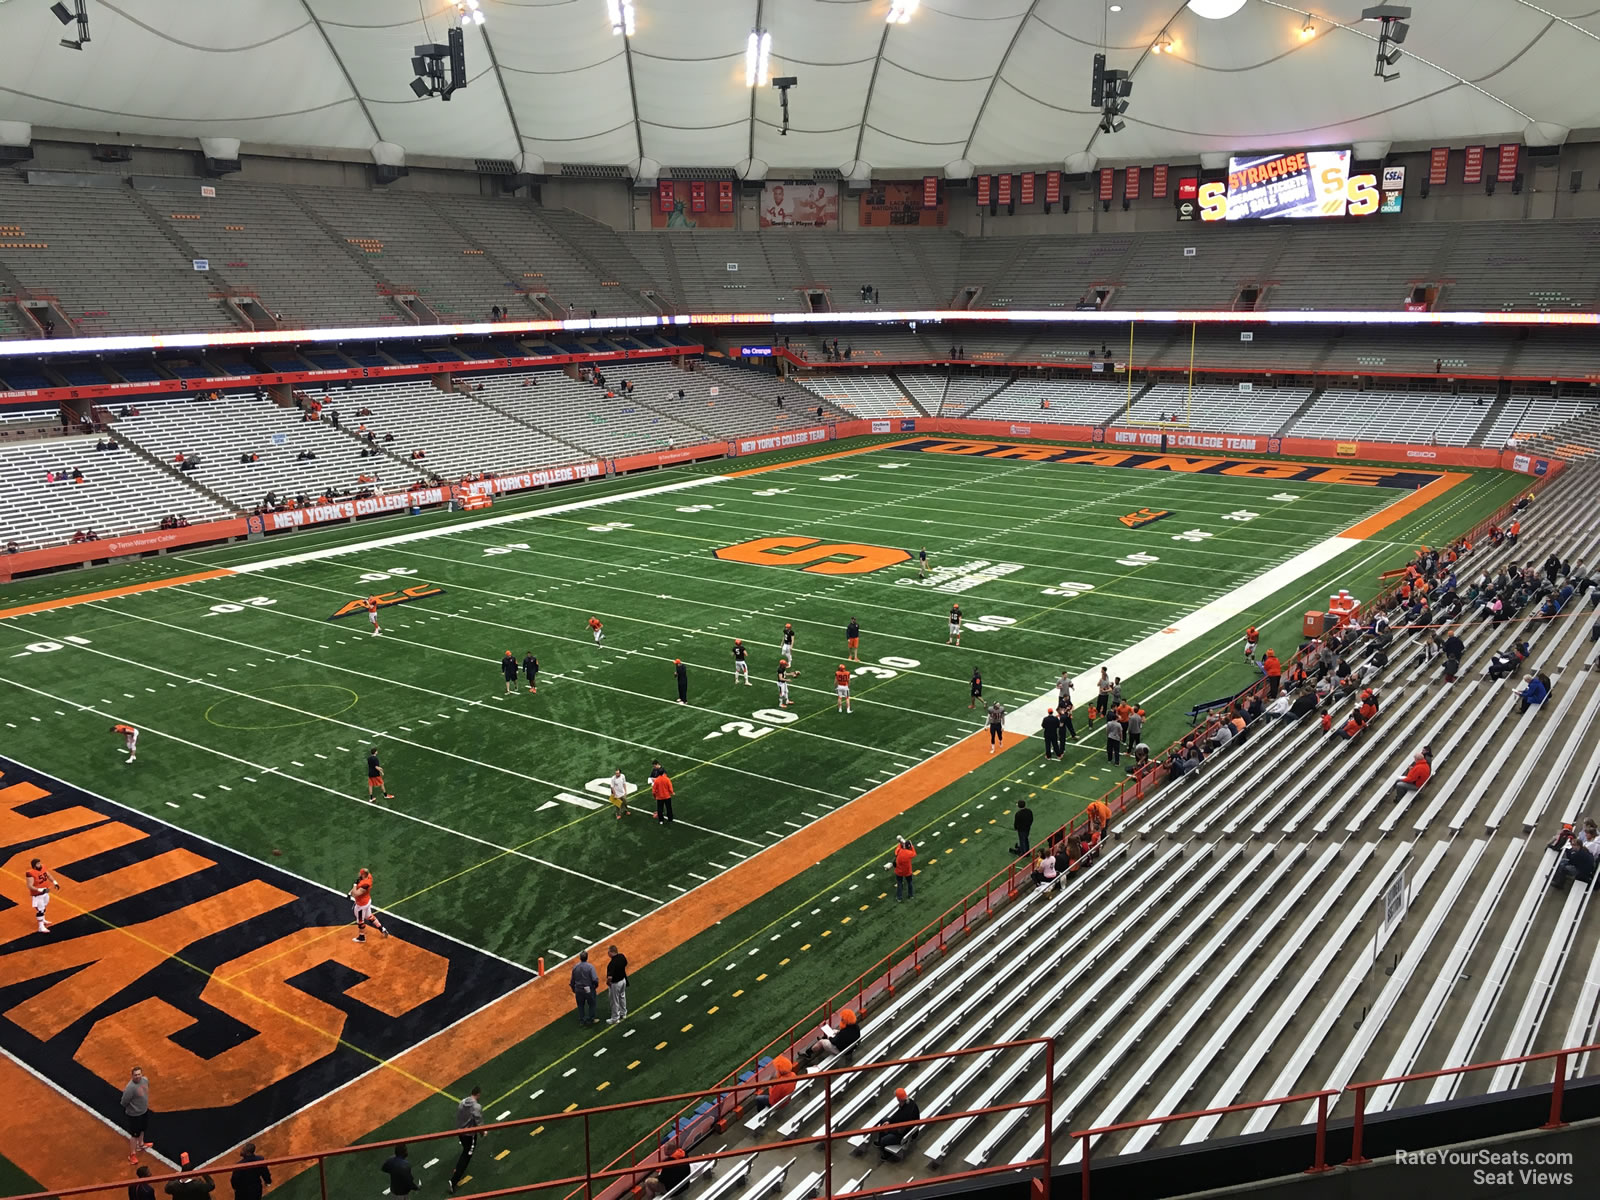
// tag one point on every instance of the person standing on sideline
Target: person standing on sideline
(904, 852)
(1102, 697)
(1134, 725)
(617, 982)
(977, 688)
(1063, 689)
(1273, 670)
(398, 1168)
(619, 793)
(1113, 738)
(530, 670)
(249, 1182)
(1022, 822)
(787, 649)
(1065, 713)
(584, 984)
(469, 1115)
(661, 789)
(508, 668)
(136, 1113)
(1052, 735)
(997, 726)
(922, 561)
(955, 626)
(852, 640)
(40, 881)
(682, 673)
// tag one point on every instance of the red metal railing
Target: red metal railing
(627, 1178)
(1557, 1089)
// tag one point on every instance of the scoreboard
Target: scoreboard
(1305, 184)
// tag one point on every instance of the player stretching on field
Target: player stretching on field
(597, 629)
(741, 664)
(39, 883)
(783, 683)
(130, 739)
(841, 684)
(361, 897)
(375, 776)
(955, 625)
(787, 649)
(852, 640)
(372, 615)
(530, 668)
(508, 669)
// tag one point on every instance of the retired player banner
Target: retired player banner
(725, 196)
(800, 206)
(664, 196)
(697, 196)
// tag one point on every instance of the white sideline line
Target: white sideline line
(1147, 652)
(401, 539)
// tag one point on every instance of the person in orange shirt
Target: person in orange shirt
(372, 615)
(781, 1087)
(1251, 636)
(1513, 532)
(130, 739)
(40, 881)
(841, 684)
(1123, 711)
(1273, 670)
(661, 789)
(361, 898)
(596, 628)
(904, 852)
(1099, 813)
(1416, 775)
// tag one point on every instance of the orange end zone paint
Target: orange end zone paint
(1388, 515)
(27, 610)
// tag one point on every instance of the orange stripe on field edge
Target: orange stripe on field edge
(27, 610)
(1386, 517)
(381, 1095)
(800, 462)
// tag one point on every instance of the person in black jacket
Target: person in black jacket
(1022, 823)
(138, 1189)
(530, 669)
(1052, 735)
(398, 1168)
(889, 1140)
(682, 673)
(1578, 864)
(250, 1181)
(508, 668)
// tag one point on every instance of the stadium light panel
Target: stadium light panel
(1308, 30)
(1215, 10)
(621, 14)
(758, 59)
(900, 10)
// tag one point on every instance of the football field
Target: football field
(206, 881)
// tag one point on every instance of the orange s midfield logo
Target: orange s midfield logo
(419, 591)
(824, 558)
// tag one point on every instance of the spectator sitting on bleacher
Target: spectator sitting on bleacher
(417, 455)
(889, 1140)
(1535, 690)
(1578, 862)
(1353, 726)
(834, 1041)
(1044, 868)
(1505, 662)
(669, 1174)
(12, 547)
(1416, 775)
(1589, 835)
(781, 1087)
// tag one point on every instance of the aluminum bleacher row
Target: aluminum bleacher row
(1222, 946)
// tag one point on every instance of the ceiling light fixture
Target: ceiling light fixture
(1215, 10)
(469, 12)
(1116, 8)
(1164, 45)
(900, 10)
(758, 59)
(621, 14)
(1307, 30)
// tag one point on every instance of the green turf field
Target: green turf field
(256, 709)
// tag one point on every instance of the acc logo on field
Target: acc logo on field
(1144, 517)
(826, 558)
(420, 591)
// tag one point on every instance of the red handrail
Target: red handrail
(629, 1174)
(1557, 1088)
